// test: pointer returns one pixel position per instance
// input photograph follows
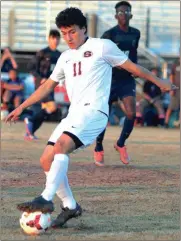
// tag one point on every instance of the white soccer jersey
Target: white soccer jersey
(87, 72)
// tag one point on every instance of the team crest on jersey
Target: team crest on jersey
(88, 54)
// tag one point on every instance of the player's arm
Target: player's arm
(146, 74)
(44, 90)
(7, 55)
(34, 64)
(172, 79)
(106, 35)
(13, 61)
(38, 95)
(116, 58)
(147, 97)
(172, 74)
(135, 51)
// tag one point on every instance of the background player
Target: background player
(41, 68)
(174, 94)
(123, 83)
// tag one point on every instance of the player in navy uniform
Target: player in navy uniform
(41, 68)
(123, 83)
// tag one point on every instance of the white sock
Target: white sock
(65, 194)
(55, 176)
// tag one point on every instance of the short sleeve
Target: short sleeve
(112, 54)
(106, 35)
(58, 72)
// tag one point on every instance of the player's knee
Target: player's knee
(64, 145)
(60, 147)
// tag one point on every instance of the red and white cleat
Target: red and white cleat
(123, 154)
(99, 158)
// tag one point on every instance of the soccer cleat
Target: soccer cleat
(65, 215)
(99, 158)
(28, 137)
(38, 204)
(123, 154)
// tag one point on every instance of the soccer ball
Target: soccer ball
(35, 223)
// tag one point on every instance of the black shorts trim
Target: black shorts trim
(103, 113)
(50, 143)
(76, 140)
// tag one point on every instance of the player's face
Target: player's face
(54, 41)
(74, 36)
(123, 15)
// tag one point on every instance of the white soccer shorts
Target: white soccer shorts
(86, 124)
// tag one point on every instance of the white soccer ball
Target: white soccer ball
(4, 113)
(35, 223)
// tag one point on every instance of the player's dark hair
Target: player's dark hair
(71, 16)
(154, 68)
(123, 3)
(54, 33)
(157, 69)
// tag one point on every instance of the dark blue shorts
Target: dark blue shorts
(14, 94)
(122, 89)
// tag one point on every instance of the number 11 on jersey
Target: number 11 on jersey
(77, 70)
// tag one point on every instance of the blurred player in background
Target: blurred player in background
(174, 94)
(152, 96)
(86, 68)
(13, 90)
(7, 61)
(123, 83)
(41, 68)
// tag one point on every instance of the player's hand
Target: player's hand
(167, 86)
(14, 115)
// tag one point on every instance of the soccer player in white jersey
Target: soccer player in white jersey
(86, 69)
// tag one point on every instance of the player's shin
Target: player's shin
(55, 176)
(65, 194)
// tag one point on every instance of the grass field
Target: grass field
(135, 202)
